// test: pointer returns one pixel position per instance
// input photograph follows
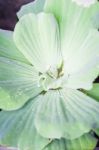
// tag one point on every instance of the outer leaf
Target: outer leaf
(8, 48)
(33, 7)
(66, 113)
(75, 22)
(34, 42)
(97, 131)
(18, 83)
(85, 142)
(94, 92)
(17, 129)
(6, 101)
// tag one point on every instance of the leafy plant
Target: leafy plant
(47, 69)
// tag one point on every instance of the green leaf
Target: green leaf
(94, 92)
(66, 113)
(33, 7)
(84, 142)
(28, 38)
(86, 55)
(69, 19)
(84, 78)
(6, 101)
(18, 82)
(97, 131)
(79, 41)
(8, 48)
(17, 129)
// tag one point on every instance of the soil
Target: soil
(8, 9)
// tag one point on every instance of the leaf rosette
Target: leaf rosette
(46, 66)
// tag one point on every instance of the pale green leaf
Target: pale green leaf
(18, 82)
(7, 103)
(37, 37)
(85, 55)
(7, 47)
(79, 43)
(33, 7)
(84, 78)
(71, 18)
(85, 142)
(97, 131)
(94, 93)
(66, 113)
(17, 129)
